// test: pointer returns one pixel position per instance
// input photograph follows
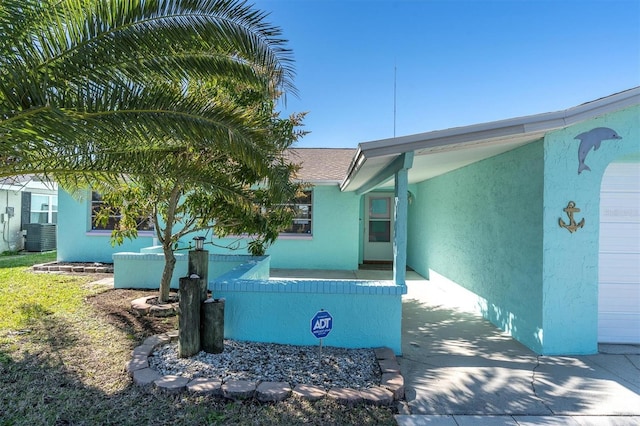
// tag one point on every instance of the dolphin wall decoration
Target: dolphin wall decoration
(592, 139)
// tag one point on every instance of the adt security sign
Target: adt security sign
(321, 324)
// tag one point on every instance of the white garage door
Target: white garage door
(619, 262)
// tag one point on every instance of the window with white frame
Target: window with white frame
(301, 224)
(97, 203)
(44, 208)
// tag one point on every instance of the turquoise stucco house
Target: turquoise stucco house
(535, 218)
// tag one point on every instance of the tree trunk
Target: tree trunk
(189, 319)
(167, 242)
(167, 273)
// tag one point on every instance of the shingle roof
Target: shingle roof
(321, 164)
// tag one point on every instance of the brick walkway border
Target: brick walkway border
(391, 385)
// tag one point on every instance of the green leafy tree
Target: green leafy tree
(229, 207)
(94, 90)
(229, 196)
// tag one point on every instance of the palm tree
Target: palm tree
(96, 89)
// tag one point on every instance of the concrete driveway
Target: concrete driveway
(461, 370)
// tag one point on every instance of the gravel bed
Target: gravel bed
(351, 368)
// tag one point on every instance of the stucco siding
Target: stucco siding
(334, 240)
(75, 241)
(570, 314)
(333, 245)
(481, 227)
(10, 226)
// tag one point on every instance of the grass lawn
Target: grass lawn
(63, 346)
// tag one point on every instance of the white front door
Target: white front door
(378, 226)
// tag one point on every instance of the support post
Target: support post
(400, 221)
(213, 326)
(189, 317)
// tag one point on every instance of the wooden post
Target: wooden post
(213, 326)
(189, 317)
(199, 265)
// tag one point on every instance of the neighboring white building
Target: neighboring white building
(25, 200)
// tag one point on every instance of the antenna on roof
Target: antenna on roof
(395, 72)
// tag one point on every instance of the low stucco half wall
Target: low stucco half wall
(144, 270)
(365, 313)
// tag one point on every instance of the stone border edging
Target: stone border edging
(391, 385)
(55, 267)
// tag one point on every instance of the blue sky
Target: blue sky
(455, 62)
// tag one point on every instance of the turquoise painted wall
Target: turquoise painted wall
(333, 245)
(570, 275)
(335, 240)
(492, 228)
(366, 314)
(481, 227)
(75, 241)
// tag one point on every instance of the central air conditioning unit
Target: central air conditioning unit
(40, 237)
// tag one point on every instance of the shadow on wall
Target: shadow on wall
(464, 300)
(509, 323)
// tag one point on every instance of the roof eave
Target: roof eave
(320, 182)
(533, 125)
(357, 162)
(502, 128)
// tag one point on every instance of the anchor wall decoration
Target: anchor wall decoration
(570, 210)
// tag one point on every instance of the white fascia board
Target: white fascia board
(11, 188)
(356, 163)
(603, 106)
(322, 182)
(39, 185)
(30, 186)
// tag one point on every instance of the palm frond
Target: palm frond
(85, 81)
